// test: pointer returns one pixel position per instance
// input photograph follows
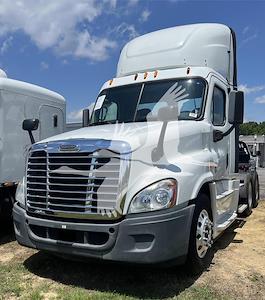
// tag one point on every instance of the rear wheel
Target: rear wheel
(249, 200)
(201, 237)
(256, 192)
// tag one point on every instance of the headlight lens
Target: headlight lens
(157, 196)
(20, 193)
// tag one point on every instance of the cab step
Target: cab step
(241, 208)
(227, 223)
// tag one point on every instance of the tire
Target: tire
(200, 253)
(249, 200)
(256, 192)
(7, 198)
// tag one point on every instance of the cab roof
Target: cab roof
(197, 45)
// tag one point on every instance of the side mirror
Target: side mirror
(167, 113)
(30, 125)
(85, 119)
(258, 153)
(236, 107)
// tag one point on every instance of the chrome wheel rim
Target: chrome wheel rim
(204, 234)
(249, 195)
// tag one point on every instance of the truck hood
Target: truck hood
(138, 135)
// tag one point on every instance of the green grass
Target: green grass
(44, 277)
(17, 282)
(201, 293)
(10, 280)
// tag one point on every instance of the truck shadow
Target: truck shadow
(142, 282)
(6, 232)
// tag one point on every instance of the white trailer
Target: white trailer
(19, 101)
(154, 178)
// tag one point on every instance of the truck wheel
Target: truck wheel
(249, 200)
(256, 192)
(7, 199)
(201, 237)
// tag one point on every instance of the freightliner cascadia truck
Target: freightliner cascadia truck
(153, 178)
(19, 101)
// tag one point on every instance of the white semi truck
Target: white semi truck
(154, 177)
(19, 101)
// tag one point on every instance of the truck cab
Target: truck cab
(19, 101)
(153, 178)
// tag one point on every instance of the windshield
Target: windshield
(141, 102)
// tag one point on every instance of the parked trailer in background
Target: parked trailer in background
(19, 101)
(154, 178)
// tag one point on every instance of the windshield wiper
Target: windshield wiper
(102, 123)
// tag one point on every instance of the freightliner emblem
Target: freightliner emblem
(71, 148)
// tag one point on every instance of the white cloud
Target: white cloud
(249, 38)
(249, 90)
(126, 30)
(6, 45)
(93, 47)
(75, 116)
(145, 15)
(44, 65)
(245, 29)
(132, 2)
(260, 100)
(58, 25)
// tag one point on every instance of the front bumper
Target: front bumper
(143, 238)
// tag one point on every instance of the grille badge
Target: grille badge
(71, 148)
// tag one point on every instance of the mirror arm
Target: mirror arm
(158, 151)
(31, 137)
(229, 130)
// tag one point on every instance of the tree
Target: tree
(251, 128)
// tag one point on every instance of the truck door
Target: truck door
(223, 151)
(51, 121)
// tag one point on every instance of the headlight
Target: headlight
(157, 196)
(20, 193)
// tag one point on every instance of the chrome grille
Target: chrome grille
(72, 184)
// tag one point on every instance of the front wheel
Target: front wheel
(201, 236)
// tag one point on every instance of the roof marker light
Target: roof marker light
(135, 76)
(188, 70)
(110, 82)
(145, 75)
(155, 74)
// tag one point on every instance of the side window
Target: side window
(55, 121)
(218, 107)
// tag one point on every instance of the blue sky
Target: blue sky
(72, 47)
